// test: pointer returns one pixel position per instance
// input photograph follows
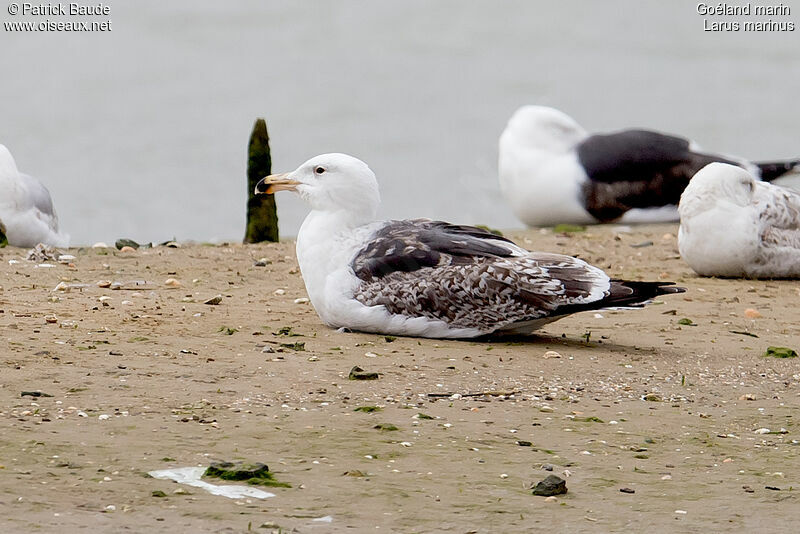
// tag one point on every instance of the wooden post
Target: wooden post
(262, 215)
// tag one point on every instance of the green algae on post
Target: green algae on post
(780, 352)
(262, 213)
(256, 474)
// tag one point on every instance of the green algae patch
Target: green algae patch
(368, 409)
(357, 373)
(256, 474)
(780, 352)
(568, 228)
(385, 427)
(591, 419)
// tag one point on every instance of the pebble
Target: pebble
(552, 485)
(103, 417)
(127, 249)
(682, 512)
(627, 490)
(51, 319)
(99, 244)
(280, 291)
(752, 313)
(213, 301)
(762, 431)
(550, 499)
(748, 397)
(666, 477)
(551, 354)
(172, 282)
(104, 283)
(301, 300)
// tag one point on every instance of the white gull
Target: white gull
(26, 209)
(733, 225)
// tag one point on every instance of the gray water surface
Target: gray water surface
(141, 132)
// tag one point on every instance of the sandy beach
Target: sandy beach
(691, 420)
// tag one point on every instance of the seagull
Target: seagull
(733, 225)
(552, 171)
(26, 209)
(427, 278)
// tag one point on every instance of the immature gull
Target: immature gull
(26, 209)
(552, 171)
(430, 278)
(733, 225)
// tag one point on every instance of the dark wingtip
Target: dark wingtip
(670, 290)
(667, 288)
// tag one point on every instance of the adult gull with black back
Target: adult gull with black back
(553, 171)
(429, 278)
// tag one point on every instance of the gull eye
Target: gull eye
(319, 170)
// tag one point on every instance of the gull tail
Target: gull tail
(772, 170)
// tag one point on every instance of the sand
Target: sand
(153, 378)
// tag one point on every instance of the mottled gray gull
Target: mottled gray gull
(735, 226)
(430, 278)
(26, 209)
(552, 171)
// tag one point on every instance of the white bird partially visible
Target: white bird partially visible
(430, 278)
(26, 209)
(553, 171)
(733, 225)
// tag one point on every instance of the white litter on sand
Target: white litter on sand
(191, 476)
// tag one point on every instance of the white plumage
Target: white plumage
(26, 209)
(733, 225)
(429, 278)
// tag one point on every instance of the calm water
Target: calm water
(141, 132)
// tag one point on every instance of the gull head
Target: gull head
(717, 182)
(330, 182)
(544, 128)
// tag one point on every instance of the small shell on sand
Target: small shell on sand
(127, 249)
(104, 283)
(752, 313)
(172, 282)
(551, 354)
(99, 244)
